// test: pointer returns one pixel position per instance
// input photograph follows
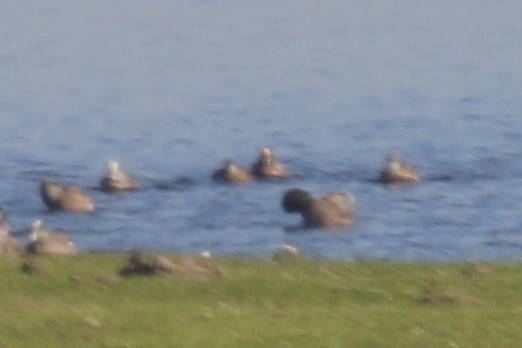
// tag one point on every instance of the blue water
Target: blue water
(170, 89)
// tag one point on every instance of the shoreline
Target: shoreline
(87, 300)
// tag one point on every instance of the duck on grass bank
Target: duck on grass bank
(9, 245)
(44, 241)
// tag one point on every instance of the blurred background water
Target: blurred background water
(171, 88)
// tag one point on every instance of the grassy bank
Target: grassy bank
(82, 301)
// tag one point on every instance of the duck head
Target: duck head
(36, 230)
(296, 200)
(113, 169)
(266, 155)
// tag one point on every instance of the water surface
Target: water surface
(170, 89)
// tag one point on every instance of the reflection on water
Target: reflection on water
(171, 90)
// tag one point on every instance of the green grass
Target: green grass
(81, 301)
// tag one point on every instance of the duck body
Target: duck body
(268, 167)
(333, 210)
(68, 198)
(9, 245)
(4, 224)
(232, 173)
(118, 180)
(397, 170)
(45, 241)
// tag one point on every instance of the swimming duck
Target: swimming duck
(9, 245)
(268, 167)
(232, 173)
(117, 180)
(334, 210)
(59, 197)
(397, 170)
(45, 241)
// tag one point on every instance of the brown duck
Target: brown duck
(334, 210)
(9, 245)
(397, 170)
(45, 241)
(70, 198)
(268, 167)
(117, 180)
(232, 173)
